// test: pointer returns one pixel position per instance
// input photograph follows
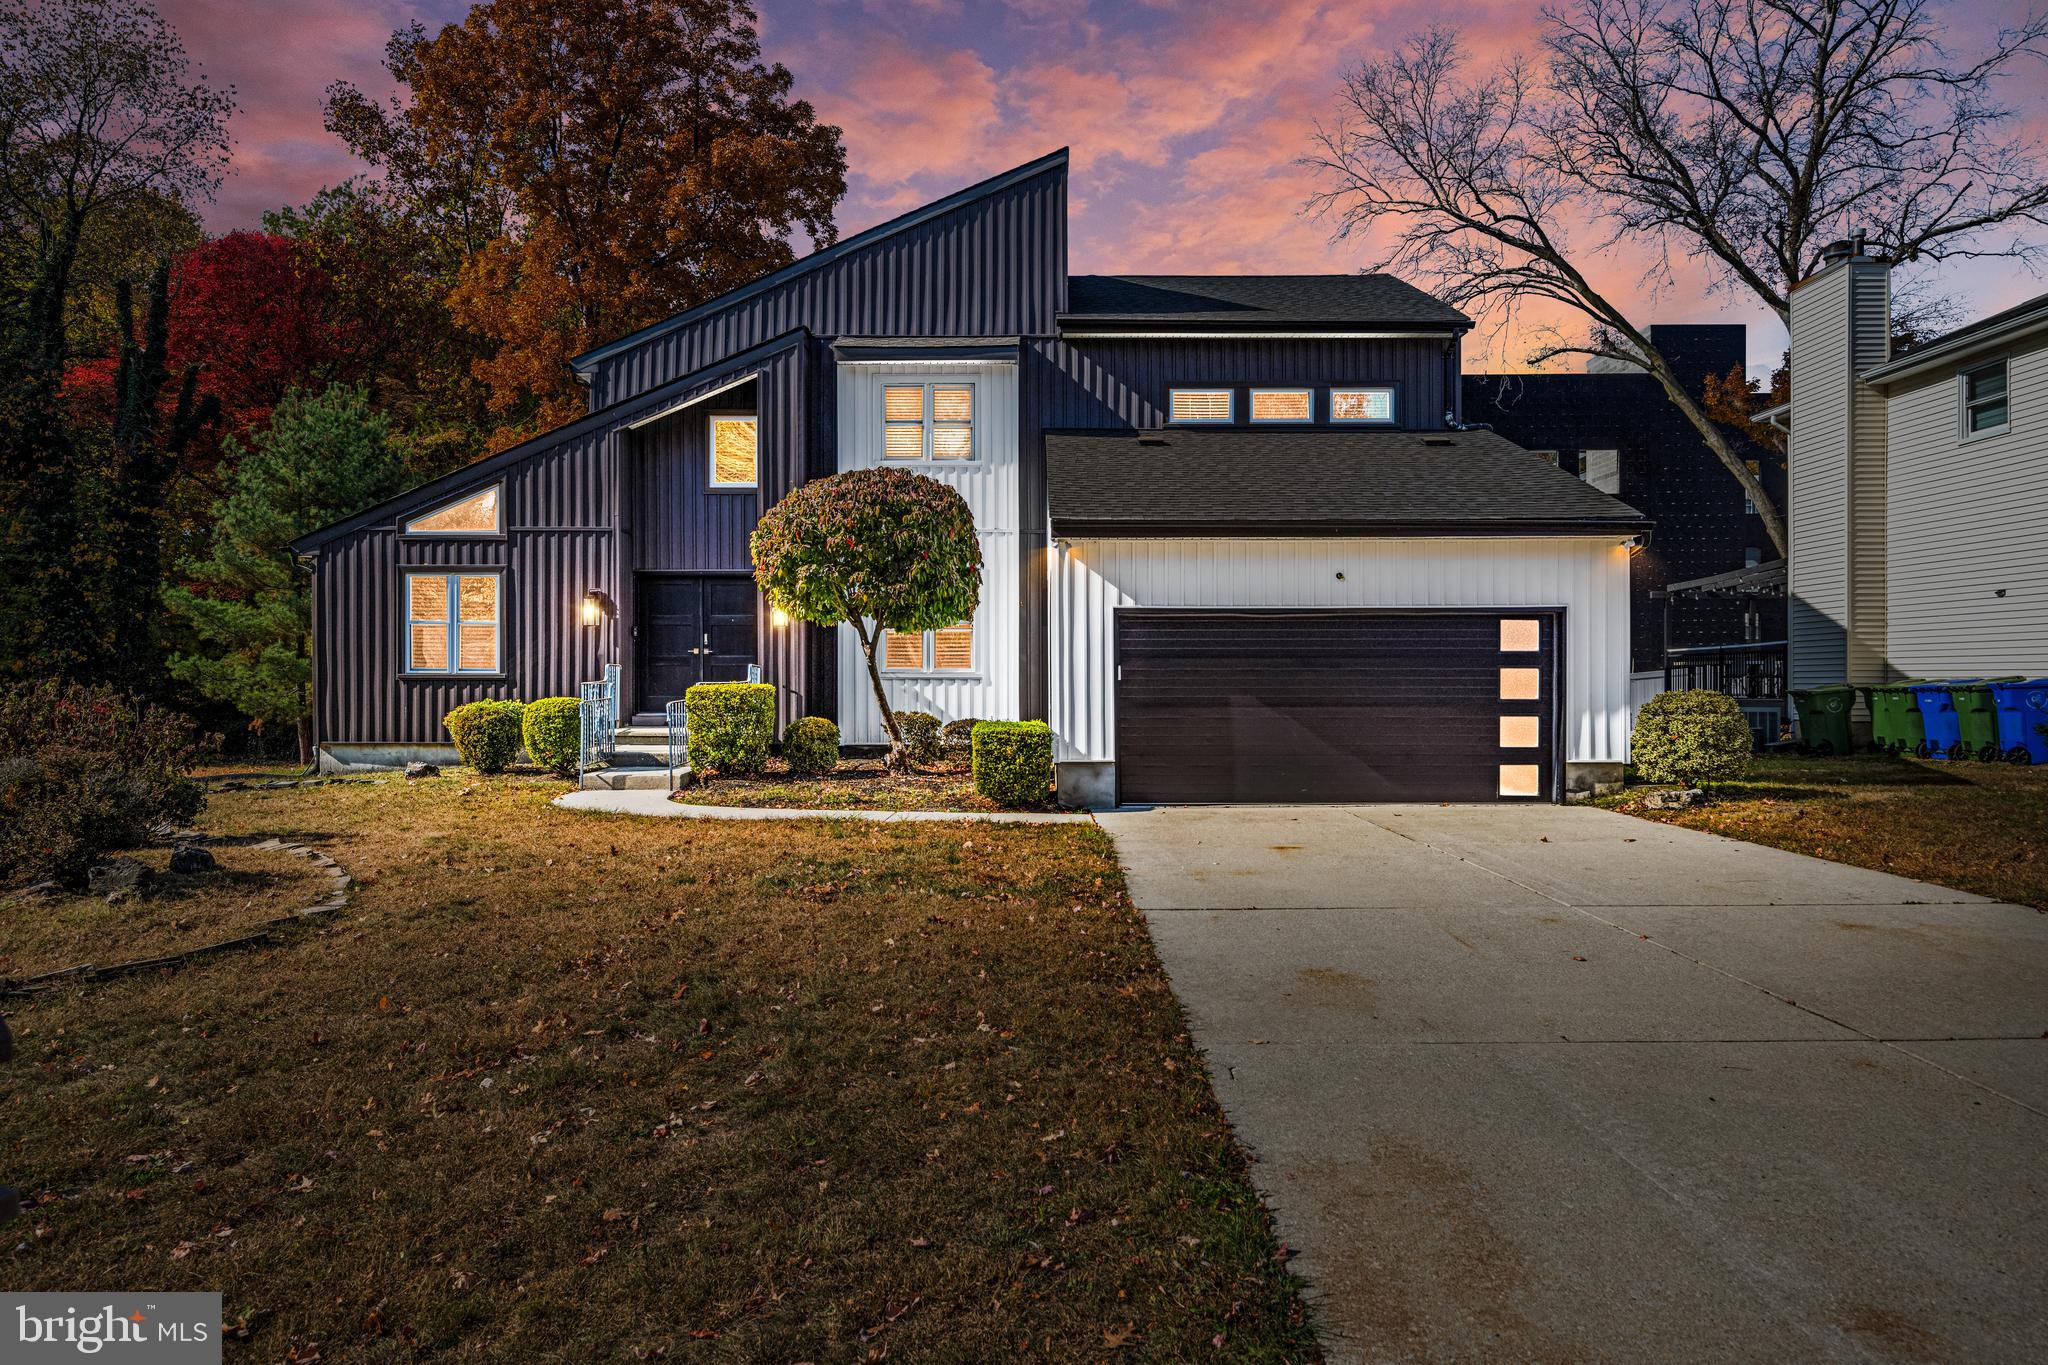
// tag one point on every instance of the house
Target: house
(1614, 427)
(1237, 544)
(1918, 487)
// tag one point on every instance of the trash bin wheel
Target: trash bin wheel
(2019, 755)
(1923, 750)
(1958, 751)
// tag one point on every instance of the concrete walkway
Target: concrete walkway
(1553, 1083)
(656, 803)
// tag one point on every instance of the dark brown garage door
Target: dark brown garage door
(1264, 706)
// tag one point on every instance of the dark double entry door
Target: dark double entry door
(692, 628)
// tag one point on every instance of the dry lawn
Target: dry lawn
(562, 1087)
(250, 887)
(1980, 827)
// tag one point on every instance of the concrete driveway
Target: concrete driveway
(1553, 1083)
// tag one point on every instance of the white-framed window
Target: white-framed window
(1283, 405)
(1986, 410)
(735, 450)
(472, 514)
(949, 649)
(933, 421)
(452, 622)
(1375, 404)
(1200, 405)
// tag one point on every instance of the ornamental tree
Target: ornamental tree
(880, 549)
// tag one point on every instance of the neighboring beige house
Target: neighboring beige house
(1918, 488)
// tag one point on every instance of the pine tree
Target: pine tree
(249, 602)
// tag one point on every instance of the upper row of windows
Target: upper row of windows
(1282, 405)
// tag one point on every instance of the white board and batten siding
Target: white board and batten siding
(1585, 576)
(1968, 520)
(989, 484)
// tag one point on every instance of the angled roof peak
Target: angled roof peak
(1054, 160)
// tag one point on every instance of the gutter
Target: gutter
(1124, 529)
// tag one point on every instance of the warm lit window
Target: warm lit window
(735, 451)
(451, 623)
(1199, 405)
(1521, 684)
(1984, 399)
(1520, 637)
(1361, 405)
(1519, 779)
(1282, 405)
(947, 650)
(928, 421)
(476, 514)
(1520, 732)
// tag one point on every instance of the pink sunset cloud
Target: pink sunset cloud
(1187, 119)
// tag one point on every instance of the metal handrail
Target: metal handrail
(678, 738)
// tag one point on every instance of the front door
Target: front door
(692, 628)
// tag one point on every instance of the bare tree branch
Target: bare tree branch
(1739, 135)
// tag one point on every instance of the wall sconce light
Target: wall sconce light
(595, 607)
(778, 618)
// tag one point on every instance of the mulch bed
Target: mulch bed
(856, 784)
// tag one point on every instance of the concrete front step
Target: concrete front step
(632, 779)
(639, 755)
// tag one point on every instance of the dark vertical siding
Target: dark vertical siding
(676, 522)
(996, 266)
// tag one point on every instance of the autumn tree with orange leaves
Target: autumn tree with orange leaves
(596, 165)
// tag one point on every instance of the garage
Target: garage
(1275, 705)
(1355, 616)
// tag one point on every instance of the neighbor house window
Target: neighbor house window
(928, 422)
(451, 623)
(1362, 405)
(1603, 470)
(1282, 405)
(1199, 405)
(947, 650)
(475, 514)
(735, 451)
(1984, 405)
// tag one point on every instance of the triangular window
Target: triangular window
(474, 515)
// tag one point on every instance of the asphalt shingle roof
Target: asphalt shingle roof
(1254, 301)
(1247, 482)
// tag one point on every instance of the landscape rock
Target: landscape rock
(413, 770)
(118, 877)
(1677, 798)
(189, 859)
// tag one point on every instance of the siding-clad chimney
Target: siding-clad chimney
(1835, 464)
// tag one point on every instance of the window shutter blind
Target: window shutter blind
(953, 647)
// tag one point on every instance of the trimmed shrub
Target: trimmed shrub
(1691, 737)
(731, 725)
(920, 735)
(811, 746)
(486, 733)
(553, 730)
(1013, 761)
(84, 770)
(957, 736)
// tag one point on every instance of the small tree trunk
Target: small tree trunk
(305, 726)
(868, 641)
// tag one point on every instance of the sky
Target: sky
(1186, 119)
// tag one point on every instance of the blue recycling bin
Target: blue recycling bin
(1938, 716)
(2022, 712)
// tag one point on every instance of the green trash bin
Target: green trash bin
(1895, 723)
(1977, 718)
(1824, 718)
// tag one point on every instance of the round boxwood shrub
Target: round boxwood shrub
(731, 725)
(920, 730)
(811, 746)
(486, 733)
(957, 736)
(1691, 737)
(1013, 761)
(553, 729)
